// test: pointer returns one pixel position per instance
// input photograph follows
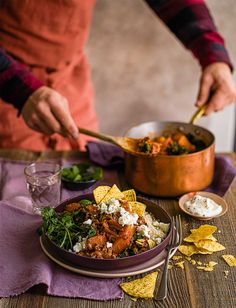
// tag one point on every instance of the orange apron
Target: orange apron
(48, 36)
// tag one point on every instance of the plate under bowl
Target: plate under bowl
(108, 264)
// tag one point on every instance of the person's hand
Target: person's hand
(47, 112)
(217, 87)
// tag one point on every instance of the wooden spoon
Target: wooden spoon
(126, 143)
(131, 144)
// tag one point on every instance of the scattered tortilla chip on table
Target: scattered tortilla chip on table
(192, 250)
(229, 259)
(208, 267)
(226, 273)
(141, 288)
(180, 264)
(175, 258)
(212, 263)
(203, 232)
(209, 245)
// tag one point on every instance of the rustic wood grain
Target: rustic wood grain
(187, 288)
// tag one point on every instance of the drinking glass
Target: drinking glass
(43, 180)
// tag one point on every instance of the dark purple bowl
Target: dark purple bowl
(109, 264)
(77, 185)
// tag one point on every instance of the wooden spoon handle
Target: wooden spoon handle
(97, 135)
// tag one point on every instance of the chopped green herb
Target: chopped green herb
(145, 147)
(85, 202)
(82, 172)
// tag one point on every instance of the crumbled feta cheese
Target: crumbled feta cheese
(88, 222)
(126, 218)
(109, 245)
(144, 230)
(103, 207)
(79, 246)
(112, 206)
(114, 202)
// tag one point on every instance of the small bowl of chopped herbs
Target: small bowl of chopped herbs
(80, 176)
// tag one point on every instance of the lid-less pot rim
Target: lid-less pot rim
(126, 134)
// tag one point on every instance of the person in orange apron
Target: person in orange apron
(50, 73)
(48, 38)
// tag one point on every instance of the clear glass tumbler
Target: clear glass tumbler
(43, 180)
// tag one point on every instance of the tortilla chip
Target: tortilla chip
(113, 192)
(212, 263)
(188, 259)
(190, 238)
(192, 250)
(203, 232)
(209, 267)
(180, 264)
(209, 245)
(100, 192)
(138, 207)
(142, 287)
(175, 258)
(230, 260)
(226, 273)
(205, 268)
(193, 262)
(130, 195)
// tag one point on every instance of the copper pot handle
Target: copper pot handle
(197, 115)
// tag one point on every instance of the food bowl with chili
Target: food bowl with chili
(106, 235)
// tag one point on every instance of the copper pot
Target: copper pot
(170, 176)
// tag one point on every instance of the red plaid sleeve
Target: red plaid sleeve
(16, 82)
(192, 23)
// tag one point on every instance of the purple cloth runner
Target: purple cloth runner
(22, 262)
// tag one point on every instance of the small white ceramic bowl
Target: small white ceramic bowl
(220, 201)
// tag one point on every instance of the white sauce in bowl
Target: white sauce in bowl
(202, 206)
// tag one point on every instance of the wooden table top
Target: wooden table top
(188, 287)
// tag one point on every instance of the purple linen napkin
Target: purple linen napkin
(224, 175)
(23, 264)
(22, 261)
(105, 154)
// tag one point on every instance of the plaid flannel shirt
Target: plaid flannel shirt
(189, 20)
